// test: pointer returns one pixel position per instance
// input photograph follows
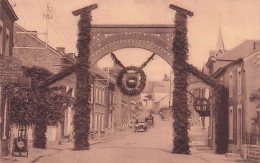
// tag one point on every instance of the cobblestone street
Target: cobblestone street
(153, 146)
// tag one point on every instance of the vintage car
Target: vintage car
(140, 125)
(150, 120)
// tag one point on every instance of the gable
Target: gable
(32, 51)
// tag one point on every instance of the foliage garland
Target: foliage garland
(37, 107)
(81, 118)
(181, 112)
(134, 91)
(138, 70)
(202, 111)
(221, 116)
(219, 110)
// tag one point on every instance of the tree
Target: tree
(37, 107)
(255, 97)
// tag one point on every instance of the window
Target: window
(91, 120)
(239, 126)
(7, 42)
(230, 84)
(103, 95)
(91, 94)
(100, 95)
(1, 37)
(96, 94)
(221, 81)
(206, 93)
(239, 81)
(102, 122)
(230, 119)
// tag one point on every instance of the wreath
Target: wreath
(202, 106)
(131, 80)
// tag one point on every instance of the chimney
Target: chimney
(34, 33)
(72, 55)
(166, 78)
(61, 50)
(256, 45)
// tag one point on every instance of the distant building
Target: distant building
(160, 92)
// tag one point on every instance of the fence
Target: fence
(252, 148)
(252, 153)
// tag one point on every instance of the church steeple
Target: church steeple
(220, 49)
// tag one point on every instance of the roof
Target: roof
(98, 71)
(7, 5)
(223, 69)
(157, 87)
(36, 38)
(220, 49)
(242, 50)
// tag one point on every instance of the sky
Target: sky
(239, 20)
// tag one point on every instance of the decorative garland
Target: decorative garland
(81, 117)
(219, 110)
(203, 109)
(221, 116)
(131, 89)
(181, 112)
(37, 107)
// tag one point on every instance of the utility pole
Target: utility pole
(47, 16)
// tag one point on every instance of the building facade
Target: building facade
(238, 71)
(7, 19)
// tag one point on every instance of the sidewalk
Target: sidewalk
(54, 147)
(35, 153)
(201, 150)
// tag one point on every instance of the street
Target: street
(153, 146)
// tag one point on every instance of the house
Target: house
(32, 51)
(7, 19)
(126, 108)
(239, 71)
(158, 94)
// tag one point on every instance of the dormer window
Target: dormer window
(7, 42)
(230, 84)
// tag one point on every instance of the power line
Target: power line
(41, 7)
(60, 35)
(62, 30)
(59, 21)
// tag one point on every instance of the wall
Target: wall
(252, 85)
(31, 51)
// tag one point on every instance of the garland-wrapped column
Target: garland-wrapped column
(181, 112)
(221, 118)
(81, 118)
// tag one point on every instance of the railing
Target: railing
(253, 139)
(252, 148)
(252, 153)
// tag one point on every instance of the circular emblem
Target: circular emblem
(20, 144)
(15, 65)
(202, 106)
(131, 80)
(3, 64)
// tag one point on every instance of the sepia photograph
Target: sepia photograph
(133, 81)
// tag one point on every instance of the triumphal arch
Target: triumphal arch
(169, 42)
(108, 38)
